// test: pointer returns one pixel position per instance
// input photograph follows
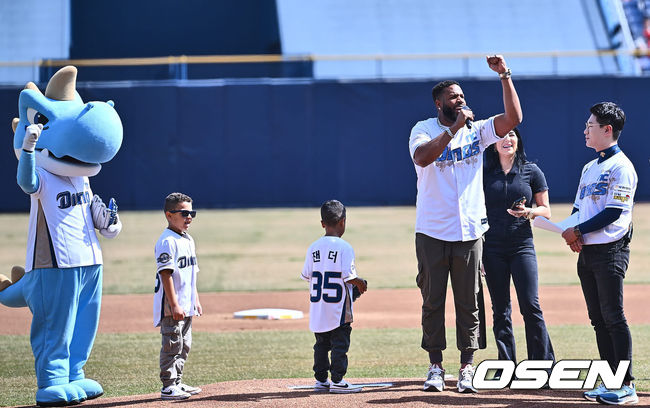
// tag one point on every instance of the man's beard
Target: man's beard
(449, 112)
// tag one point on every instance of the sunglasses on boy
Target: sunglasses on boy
(185, 213)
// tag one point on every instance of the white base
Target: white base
(309, 387)
(269, 314)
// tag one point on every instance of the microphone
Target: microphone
(468, 122)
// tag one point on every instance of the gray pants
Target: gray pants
(437, 260)
(176, 345)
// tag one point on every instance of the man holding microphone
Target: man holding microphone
(447, 152)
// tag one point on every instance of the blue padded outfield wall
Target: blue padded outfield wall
(267, 143)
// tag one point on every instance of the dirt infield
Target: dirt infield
(376, 309)
(402, 393)
(397, 308)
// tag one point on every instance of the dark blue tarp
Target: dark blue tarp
(264, 143)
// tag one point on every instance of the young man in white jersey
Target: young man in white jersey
(176, 299)
(329, 267)
(451, 218)
(604, 203)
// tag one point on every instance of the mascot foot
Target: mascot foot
(76, 394)
(60, 396)
(55, 396)
(91, 388)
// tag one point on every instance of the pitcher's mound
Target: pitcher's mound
(399, 392)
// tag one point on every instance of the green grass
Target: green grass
(264, 249)
(127, 364)
(253, 250)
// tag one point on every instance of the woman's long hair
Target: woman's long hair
(491, 155)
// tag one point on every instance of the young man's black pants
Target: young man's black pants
(601, 269)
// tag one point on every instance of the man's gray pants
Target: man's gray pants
(176, 345)
(437, 261)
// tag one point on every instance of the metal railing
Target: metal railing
(183, 60)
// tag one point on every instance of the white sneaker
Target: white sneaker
(435, 379)
(322, 385)
(173, 392)
(465, 377)
(344, 387)
(189, 389)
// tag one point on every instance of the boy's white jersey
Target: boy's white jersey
(329, 264)
(61, 231)
(611, 183)
(175, 252)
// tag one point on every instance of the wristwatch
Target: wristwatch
(506, 74)
(576, 232)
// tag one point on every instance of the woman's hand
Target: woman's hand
(520, 210)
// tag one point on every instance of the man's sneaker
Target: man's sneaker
(625, 395)
(435, 379)
(465, 377)
(189, 389)
(322, 385)
(343, 387)
(593, 394)
(173, 392)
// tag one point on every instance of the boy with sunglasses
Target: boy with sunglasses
(176, 299)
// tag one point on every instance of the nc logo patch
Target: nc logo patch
(164, 258)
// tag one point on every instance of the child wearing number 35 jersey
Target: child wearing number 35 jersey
(329, 267)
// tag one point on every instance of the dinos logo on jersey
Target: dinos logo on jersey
(598, 188)
(185, 261)
(164, 258)
(67, 199)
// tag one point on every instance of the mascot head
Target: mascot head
(77, 137)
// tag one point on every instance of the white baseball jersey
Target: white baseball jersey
(329, 264)
(611, 183)
(175, 252)
(450, 203)
(61, 232)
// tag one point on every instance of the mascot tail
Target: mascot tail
(11, 290)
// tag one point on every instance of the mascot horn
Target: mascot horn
(60, 142)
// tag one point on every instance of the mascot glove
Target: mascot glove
(32, 133)
(101, 214)
(113, 229)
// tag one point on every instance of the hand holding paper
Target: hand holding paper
(544, 223)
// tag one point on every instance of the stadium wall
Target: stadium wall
(265, 143)
(155, 28)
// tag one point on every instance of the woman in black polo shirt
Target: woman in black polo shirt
(508, 250)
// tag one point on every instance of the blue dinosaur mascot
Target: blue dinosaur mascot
(60, 141)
